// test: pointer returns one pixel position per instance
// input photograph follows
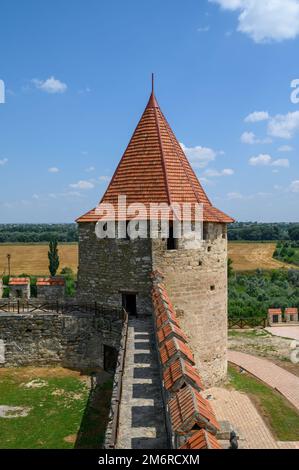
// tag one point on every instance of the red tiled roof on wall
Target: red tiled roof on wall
(170, 331)
(181, 373)
(189, 409)
(154, 169)
(200, 440)
(173, 349)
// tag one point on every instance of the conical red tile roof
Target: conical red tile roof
(154, 169)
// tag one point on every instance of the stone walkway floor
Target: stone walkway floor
(142, 420)
(291, 332)
(274, 376)
(238, 409)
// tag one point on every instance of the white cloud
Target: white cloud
(265, 20)
(35, 196)
(284, 125)
(90, 169)
(53, 169)
(285, 148)
(250, 138)
(3, 161)
(216, 173)
(199, 156)
(257, 116)
(82, 184)
(282, 162)
(50, 85)
(266, 160)
(294, 187)
(260, 160)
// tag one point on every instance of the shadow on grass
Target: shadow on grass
(95, 418)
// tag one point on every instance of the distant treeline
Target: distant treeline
(242, 231)
(38, 233)
(254, 231)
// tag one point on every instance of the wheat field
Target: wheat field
(252, 256)
(33, 259)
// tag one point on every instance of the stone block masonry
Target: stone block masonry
(196, 281)
(72, 340)
(110, 267)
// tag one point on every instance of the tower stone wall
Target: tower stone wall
(110, 267)
(196, 282)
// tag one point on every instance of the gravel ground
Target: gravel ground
(261, 343)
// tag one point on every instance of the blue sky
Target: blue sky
(77, 78)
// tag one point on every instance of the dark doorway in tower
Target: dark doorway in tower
(275, 319)
(110, 358)
(172, 243)
(129, 303)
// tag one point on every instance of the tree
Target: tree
(53, 257)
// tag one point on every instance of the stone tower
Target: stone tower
(117, 271)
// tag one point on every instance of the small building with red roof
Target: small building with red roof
(19, 288)
(274, 316)
(50, 288)
(291, 315)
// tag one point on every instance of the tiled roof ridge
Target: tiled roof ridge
(184, 404)
(162, 152)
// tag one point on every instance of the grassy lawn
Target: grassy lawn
(281, 417)
(59, 413)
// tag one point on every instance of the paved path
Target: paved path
(142, 420)
(285, 382)
(238, 409)
(291, 332)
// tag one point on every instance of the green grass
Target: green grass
(280, 415)
(254, 333)
(57, 411)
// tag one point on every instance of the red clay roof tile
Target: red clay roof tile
(170, 330)
(189, 410)
(291, 311)
(201, 440)
(274, 311)
(173, 349)
(19, 281)
(49, 281)
(179, 374)
(154, 169)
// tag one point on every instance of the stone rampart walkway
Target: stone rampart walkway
(142, 420)
(274, 376)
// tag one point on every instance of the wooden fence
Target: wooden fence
(247, 322)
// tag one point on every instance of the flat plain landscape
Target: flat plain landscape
(32, 258)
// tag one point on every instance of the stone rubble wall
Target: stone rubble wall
(71, 340)
(108, 267)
